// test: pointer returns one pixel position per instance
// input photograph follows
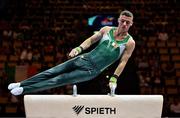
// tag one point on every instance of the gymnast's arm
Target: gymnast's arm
(126, 55)
(93, 39)
(88, 42)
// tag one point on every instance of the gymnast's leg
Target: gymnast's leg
(45, 75)
(76, 76)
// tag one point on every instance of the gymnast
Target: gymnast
(115, 43)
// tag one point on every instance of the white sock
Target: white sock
(13, 85)
(17, 91)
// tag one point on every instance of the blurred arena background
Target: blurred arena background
(38, 34)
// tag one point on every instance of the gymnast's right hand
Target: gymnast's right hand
(74, 52)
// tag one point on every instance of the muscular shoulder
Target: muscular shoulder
(105, 29)
(131, 43)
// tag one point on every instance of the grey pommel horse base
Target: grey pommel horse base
(93, 106)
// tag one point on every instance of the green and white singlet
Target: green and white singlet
(106, 52)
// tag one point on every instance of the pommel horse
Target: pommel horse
(93, 106)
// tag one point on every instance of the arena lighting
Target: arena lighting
(98, 21)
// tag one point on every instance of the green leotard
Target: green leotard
(105, 53)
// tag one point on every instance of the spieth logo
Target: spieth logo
(94, 110)
(78, 109)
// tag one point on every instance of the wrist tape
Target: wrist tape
(113, 79)
(79, 49)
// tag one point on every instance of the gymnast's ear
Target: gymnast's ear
(131, 23)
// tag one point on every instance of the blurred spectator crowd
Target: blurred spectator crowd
(39, 34)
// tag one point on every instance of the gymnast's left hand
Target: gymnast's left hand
(112, 82)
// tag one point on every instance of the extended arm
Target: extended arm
(124, 59)
(88, 42)
(91, 40)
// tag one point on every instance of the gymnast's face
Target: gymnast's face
(125, 22)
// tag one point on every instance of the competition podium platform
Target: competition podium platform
(93, 106)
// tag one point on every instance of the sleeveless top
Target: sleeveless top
(108, 50)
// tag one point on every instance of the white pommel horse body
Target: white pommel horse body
(93, 106)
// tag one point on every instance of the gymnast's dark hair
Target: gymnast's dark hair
(127, 13)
